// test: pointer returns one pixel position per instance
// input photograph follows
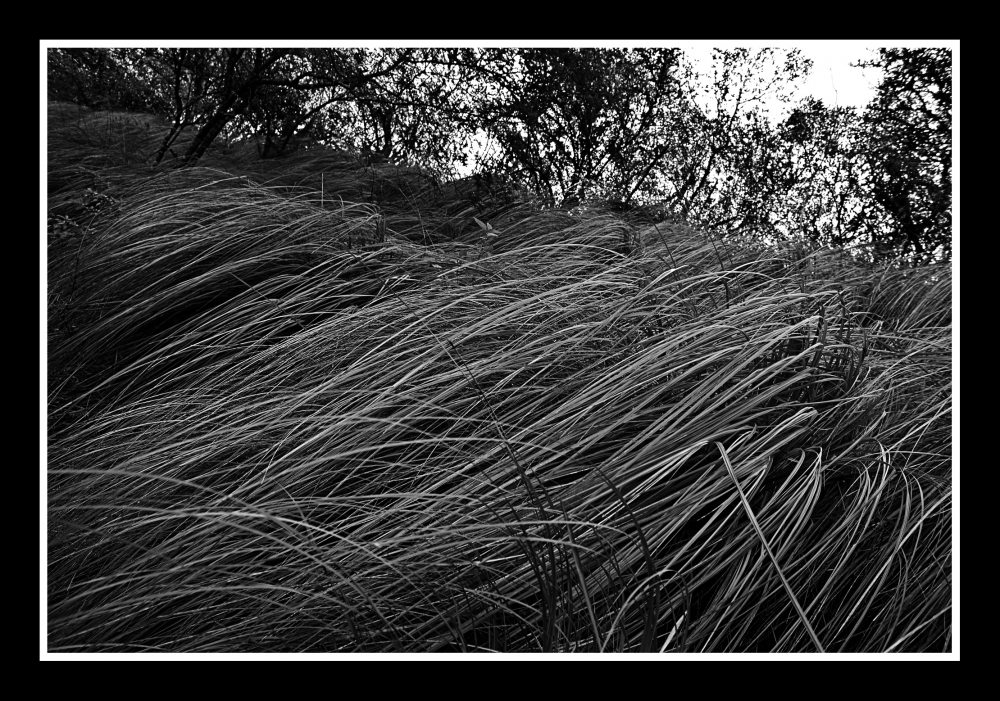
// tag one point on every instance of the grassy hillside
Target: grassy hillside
(308, 404)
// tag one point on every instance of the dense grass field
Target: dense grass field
(312, 405)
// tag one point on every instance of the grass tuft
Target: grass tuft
(292, 410)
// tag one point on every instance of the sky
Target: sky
(833, 79)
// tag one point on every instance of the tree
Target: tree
(410, 107)
(624, 126)
(908, 153)
(98, 79)
(275, 93)
(725, 169)
(797, 179)
(576, 123)
(269, 94)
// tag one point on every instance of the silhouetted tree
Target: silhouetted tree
(909, 152)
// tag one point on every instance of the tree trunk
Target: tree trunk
(206, 135)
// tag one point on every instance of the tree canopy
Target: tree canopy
(624, 127)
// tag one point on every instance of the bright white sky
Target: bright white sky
(833, 80)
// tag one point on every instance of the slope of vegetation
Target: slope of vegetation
(309, 404)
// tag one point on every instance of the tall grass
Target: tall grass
(284, 420)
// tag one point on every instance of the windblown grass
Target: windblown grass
(280, 421)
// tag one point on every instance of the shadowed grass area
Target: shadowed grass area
(280, 420)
